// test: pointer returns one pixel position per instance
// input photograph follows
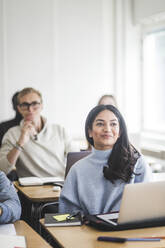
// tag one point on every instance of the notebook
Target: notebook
(142, 205)
(32, 181)
(57, 219)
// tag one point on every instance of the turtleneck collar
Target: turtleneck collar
(101, 154)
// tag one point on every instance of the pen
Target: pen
(122, 240)
(154, 237)
(71, 215)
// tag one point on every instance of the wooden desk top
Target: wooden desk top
(43, 193)
(85, 236)
(33, 239)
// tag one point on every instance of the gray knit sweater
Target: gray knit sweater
(87, 190)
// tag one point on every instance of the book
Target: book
(61, 220)
(12, 241)
(32, 181)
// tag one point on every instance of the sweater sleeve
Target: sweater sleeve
(9, 201)
(143, 172)
(7, 145)
(69, 200)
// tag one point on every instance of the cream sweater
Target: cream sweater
(44, 157)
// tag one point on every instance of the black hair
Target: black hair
(123, 156)
(15, 100)
(18, 116)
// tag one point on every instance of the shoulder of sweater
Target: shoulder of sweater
(82, 163)
(141, 163)
(55, 126)
(12, 130)
(58, 126)
(141, 160)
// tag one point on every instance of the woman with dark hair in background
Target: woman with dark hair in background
(95, 184)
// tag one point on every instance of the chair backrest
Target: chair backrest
(73, 157)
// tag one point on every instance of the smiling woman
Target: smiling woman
(105, 130)
(95, 184)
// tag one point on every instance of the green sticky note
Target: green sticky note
(60, 217)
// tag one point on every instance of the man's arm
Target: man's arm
(7, 148)
(12, 146)
(26, 130)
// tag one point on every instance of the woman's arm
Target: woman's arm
(143, 171)
(69, 198)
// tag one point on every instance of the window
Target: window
(153, 112)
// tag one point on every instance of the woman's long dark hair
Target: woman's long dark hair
(123, 156)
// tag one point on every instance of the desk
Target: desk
(85, 236)
(32, 199)
(33, 239)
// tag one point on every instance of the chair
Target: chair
(73, 157)
(12, 175)
(50, 207)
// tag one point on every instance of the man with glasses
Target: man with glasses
(34, 148)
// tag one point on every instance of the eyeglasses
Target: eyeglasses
(25, 105)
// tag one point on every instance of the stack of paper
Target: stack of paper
(12, 241)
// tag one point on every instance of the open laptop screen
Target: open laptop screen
(142, 204)
(142, 201)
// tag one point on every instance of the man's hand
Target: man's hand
(28, 130)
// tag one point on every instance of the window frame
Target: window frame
(149, 137)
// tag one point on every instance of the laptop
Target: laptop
(142, 205)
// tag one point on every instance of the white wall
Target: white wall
(144, 9)
(73, 51)
(127, 64)
(1, 61)
(64, 48)
(83, 65)
(28, 45)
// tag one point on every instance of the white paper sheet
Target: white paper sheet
(7, 229)
(12, 241)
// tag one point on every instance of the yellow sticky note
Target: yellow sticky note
(60, 217)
